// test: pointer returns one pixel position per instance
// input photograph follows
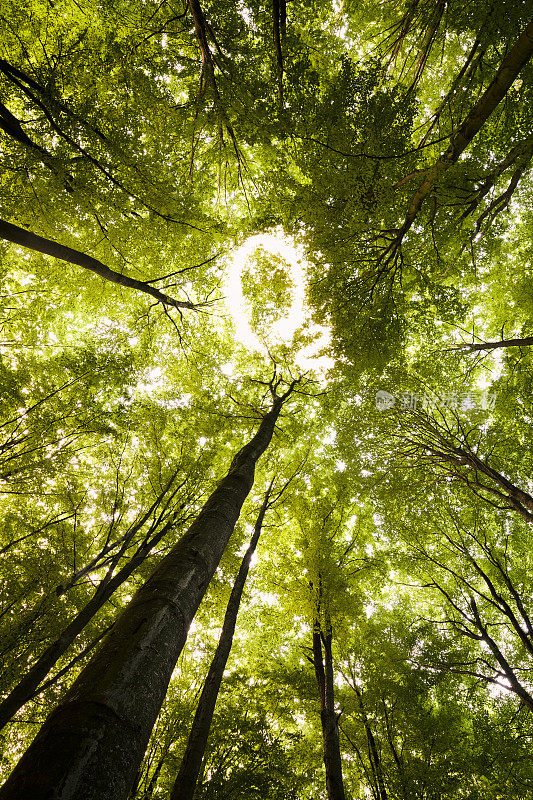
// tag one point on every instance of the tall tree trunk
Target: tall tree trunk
(330, 727)
(92, 743)
(278, 25)
(191, 764)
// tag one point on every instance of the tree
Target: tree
(12, 233)
(105, 691)
(323, 664)
(142, 144)
(164, 516)
(191, 764)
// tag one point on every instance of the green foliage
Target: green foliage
(115, 142)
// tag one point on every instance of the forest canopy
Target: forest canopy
(266, 319)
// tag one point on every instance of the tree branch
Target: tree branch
(20, 236)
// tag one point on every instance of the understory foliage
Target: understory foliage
(387, 619)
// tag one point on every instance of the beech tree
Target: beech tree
(172, 595)
(191, 764)
(190, 194)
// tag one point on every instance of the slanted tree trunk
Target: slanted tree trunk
(323, 664)
(92, 743)
(191, 763)
(473, 347)
(509, 70)
(436, 444)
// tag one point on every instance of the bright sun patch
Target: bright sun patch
(266, 297)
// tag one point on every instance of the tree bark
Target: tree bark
(527, 341)
(191, 764)
(91, 745)
(28, 686)
(328, 717)
(24, 238)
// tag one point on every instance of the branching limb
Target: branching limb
(20, 236)
(208, 71)
(505, 76)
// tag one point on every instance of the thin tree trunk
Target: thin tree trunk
(527, 341)
(373, 754)
(438, 444)
(330, 728)
(106, 557)
(191, 764)
(448, 99)
(92, 743)
(507, 73)
(24, 238)
(278, 12)
(398, 759)
(28, 686)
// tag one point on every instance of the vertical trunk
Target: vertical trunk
(90, 746)
(375, 760)
(330, 728)
(191, 764)
(278, 24)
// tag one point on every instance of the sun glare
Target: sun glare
(298, 314)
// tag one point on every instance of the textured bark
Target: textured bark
(191, 763)
(28, 687)
(24, 238)
(91, 745)
(330, 728)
